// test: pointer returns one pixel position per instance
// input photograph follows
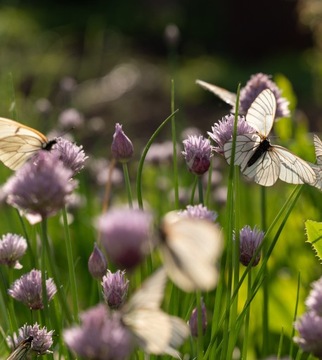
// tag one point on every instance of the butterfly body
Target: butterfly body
(260, 150)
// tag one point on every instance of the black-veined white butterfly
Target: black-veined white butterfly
(22, 349)
(19, 142)
(190, 248)
(225, 95)
(156, 331)
(258, 158)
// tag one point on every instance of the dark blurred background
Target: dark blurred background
(113, 61)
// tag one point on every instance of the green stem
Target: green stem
(174, 142)
(249, 294)
(143, 156)
(127, 184)
(71, 266)
(200, 190)
(199, 326)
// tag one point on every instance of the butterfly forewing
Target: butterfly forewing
(318, 149)
(189, 249)
(156, 331)
(261, 113)
(18, 143)
(225, 95)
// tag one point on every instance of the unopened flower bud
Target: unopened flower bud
(122, 147)
(197, 153)
(249, 242)
(193, 321)
(97, 263)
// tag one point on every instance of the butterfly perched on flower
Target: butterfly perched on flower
(18, 143)
(258, 159)
(190, 248)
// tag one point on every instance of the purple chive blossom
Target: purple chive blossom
(41, 342)
(199, 212)
(72, 156)
(122, 147)
(97, 263)
(12, 248)
(193, 321)
(309, 327)
(314, 300)
(40, 188)
(126, 236)
(115, 287)
(197, 153)
(222, 131)
(71, 119)
(254, 87)
(249, 241)
(28, 290)
(101, 336)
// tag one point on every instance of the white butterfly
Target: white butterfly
(225, 95)
(19, 142)
(318, 166)
(190, 248)
(258, 158)
(156, 331)
(21, 350)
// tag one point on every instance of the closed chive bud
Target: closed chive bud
(193, 321)
(115, 287)
(249, 241)
(122, 147)
(97, 263)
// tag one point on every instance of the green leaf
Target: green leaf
(314, 236)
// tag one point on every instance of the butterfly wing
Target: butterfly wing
(246, 146)
(318, 149)
(261, 113)
(18, 143)
(189, 250)
(225, 95)
(156, 331)
(294, 170)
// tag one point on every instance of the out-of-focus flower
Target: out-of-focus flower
(193, 321)
(199, 212)
(72, 156)
(256, 84)
(197, 153)
(12, 248)
(126, 235)
(314, 300)
(41, 187)
(28, 290)
(172, 35)
(115, 287)
(71, 119)
(97, 263)
(101, 336)
(41, 338)
(44, 106)
(160, 153)
(309, 327)
(122, 147)
(222, 131)
(249, 241)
